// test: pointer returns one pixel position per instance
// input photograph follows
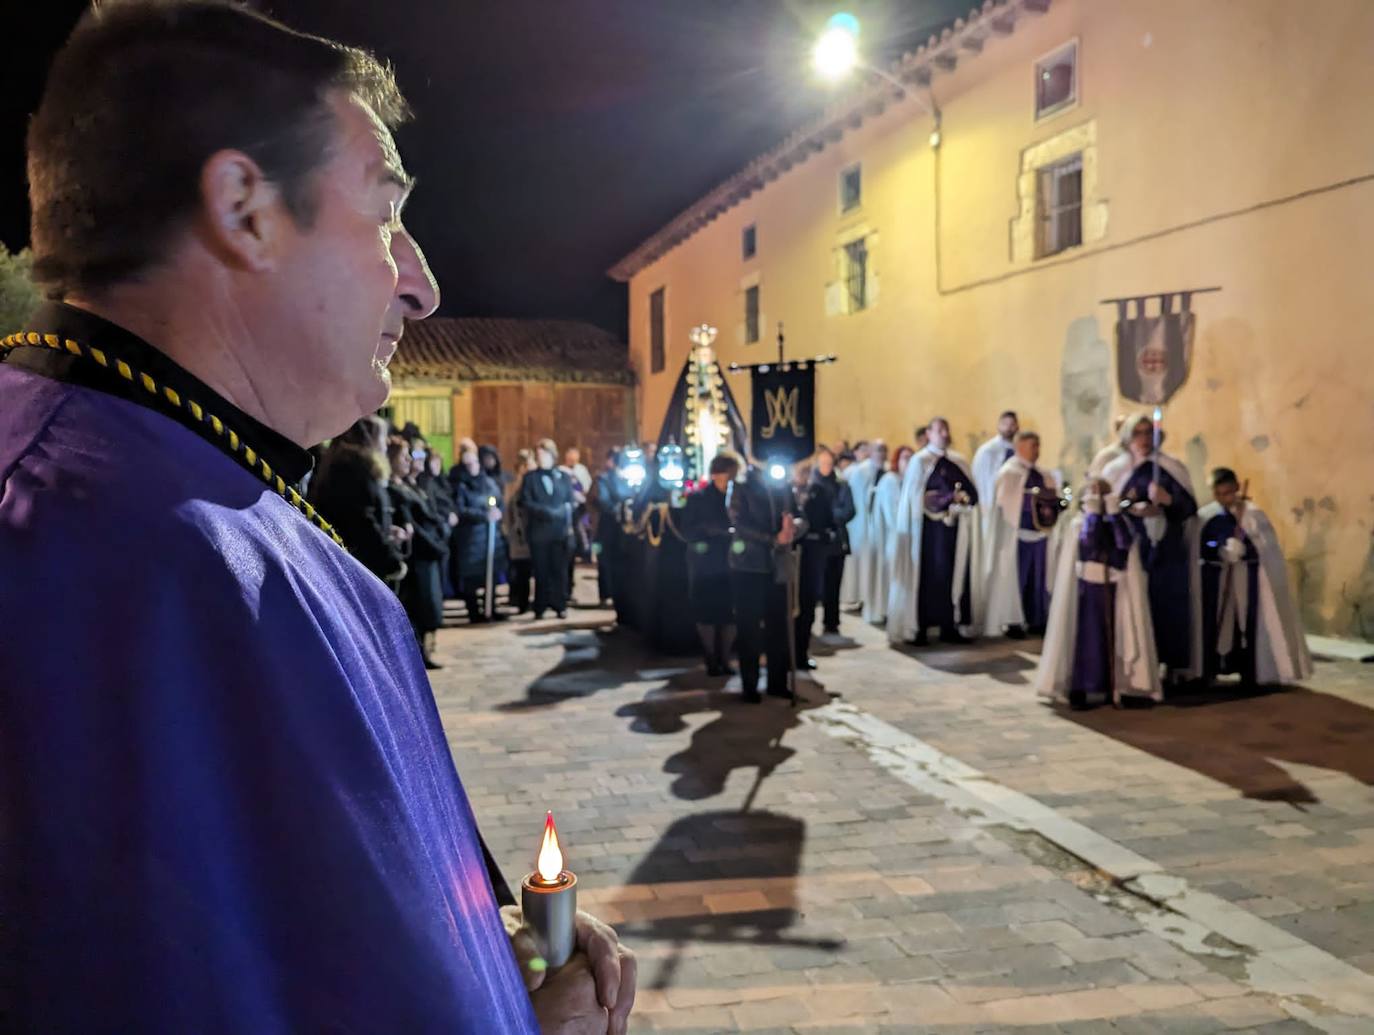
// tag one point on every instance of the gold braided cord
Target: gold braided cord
(229, 440)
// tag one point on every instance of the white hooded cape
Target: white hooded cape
(882, 529)
(1001, 537)
(987, 462)
(1281, 655)
(1117, 474)
(904, 595)
(853, 583)
(1137, 665)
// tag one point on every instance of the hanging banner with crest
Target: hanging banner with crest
(782, 425)
(1154, 352)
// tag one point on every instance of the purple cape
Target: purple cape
(226, 800)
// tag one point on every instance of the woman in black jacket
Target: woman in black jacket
(706, 526)
(827, 507)
(349, 490)
(546, 494)
(422, 591)
(480, 505)
(440, 492)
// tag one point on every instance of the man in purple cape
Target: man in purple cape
(226, 799)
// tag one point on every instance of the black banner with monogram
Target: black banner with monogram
(782, 425)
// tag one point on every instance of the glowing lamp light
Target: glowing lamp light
(548, 900)
(777, 472)
(836, 51)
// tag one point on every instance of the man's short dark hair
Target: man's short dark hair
(934, 421)
(1005, 415)
(1026, 436)
(142, 94)
(1224, 476)
(726, 462)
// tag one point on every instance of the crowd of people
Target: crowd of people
(1131, 581)
(433, 535)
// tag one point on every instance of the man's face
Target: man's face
(938, 435)
(722, 479)
(1226, 493)
(861, 452)
(472, 463)
(1143, 438)
(825, 463)
(880, 456)
(903, 459)
(571, 458)
(342, 290)
(400, 462)
(1028, 449)
(546, 460)
(1007, 427)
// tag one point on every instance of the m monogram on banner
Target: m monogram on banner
(782, 424)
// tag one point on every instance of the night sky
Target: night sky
(552, 136)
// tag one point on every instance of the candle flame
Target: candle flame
(550, 862)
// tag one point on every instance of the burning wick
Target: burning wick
(548, 900)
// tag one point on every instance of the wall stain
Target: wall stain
(1260, 443)
(1213, 383)
(1085, 394)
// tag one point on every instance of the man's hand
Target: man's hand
(452, 519)
(592, 994)
(1159, 494)
(789, 530)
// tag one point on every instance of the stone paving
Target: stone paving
(775, 878)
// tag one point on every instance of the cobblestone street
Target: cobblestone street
(933, 850)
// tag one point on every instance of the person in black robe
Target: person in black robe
(611, 492)
(765, 529)
(827, 506)
(439, 490)
(546, 493)
(349, 489)
(705, 524)
(478, 538)
(516, 527)
(421, 590)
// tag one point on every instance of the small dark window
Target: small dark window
(657, 357)
(751, 315)
(856, 274)
(1060, 201)
(749, 241)
(851, 189)
(1056, 81)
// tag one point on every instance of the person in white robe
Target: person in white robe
(881, 537)
(1158, 500)
(989, 458)
(1250, 627)
(1022, 544)
(1111, 451)
(937, 544)
(860, 476)
(1099, 644)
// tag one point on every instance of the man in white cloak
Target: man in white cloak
(1022, 544)
(936, 547)
(1100, 643)
(881, 536)
(990, 457)
(1157, 498)
(1250, 627)
(860, 476)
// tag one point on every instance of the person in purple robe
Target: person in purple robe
(1099, 643)
(1156, 494)
(936, 574)
(227, 798)
(1021, 542)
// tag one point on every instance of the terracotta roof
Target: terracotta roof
(440, 349)
(964, 38)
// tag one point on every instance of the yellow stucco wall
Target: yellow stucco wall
(1232, 144)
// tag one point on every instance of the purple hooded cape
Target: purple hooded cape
(226, 800)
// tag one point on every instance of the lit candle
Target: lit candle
(548, 900)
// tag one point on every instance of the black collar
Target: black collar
(291, 461)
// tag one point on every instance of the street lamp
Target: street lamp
(836, 54)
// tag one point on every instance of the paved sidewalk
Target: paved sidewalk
(776, 873)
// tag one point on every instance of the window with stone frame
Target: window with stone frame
(856, 275)
(851, 188)
(751, 314)
(749, 242)
(1059, 199)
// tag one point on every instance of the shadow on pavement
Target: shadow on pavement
(594, 659)
(759, 850)
(1236, 736)
(1002, 660)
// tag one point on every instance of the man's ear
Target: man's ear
(242, 212)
